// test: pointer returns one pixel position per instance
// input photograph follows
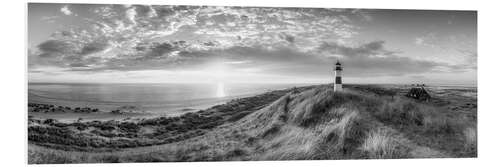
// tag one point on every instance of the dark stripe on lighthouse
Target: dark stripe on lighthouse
(338, 80)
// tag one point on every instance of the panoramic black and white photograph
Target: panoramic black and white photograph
(131, 83)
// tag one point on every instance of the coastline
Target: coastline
(198, 123)
(168, 102)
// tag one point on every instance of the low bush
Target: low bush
(238, 116)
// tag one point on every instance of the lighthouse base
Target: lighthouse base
(337, 87)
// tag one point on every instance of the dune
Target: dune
(303, 124)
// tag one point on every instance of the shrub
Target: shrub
(238, 116)
(129, 127)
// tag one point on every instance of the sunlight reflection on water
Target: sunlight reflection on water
(220, 90)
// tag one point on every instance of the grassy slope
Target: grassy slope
(310, 124)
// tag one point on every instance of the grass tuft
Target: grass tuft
(470, 139)
(380, 144)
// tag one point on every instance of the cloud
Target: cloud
(374, 48)
(145, 11)
(419, 41)
(50, 19)
(94, 47)
(428, 40)
(283, 41)
(470, 59)
(54, 48)
(78, 65)
(130, 14)
(68, 54)
(370, 59)
(157, 50)
(287, 37)
(373, 59)
(65, 10)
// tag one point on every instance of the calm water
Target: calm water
(148, 96)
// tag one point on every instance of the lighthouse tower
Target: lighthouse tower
(338, 77)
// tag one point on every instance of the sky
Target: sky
(98, 43)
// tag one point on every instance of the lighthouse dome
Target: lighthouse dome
(338, 63)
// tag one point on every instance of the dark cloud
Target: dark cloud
(78, 65)
(210, 43)
(374, 59)
(144, 10)
(160, 49)
(157, 50)
(367, 49)
(67, 53)
(94, 47)
(287, 37)
(55, 48)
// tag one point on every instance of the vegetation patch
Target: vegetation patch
(297, 124)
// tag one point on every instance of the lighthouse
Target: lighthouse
(338, 77)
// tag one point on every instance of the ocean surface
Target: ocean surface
(144, 97)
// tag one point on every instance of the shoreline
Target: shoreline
(179, 127)
(161, 108)
(66, 111)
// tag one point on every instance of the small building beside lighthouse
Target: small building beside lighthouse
(338, 77)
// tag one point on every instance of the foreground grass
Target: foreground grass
(430, 126)
(380, 144)
(307, 124)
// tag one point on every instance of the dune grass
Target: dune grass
(381, 144)
(470, 134)
(308, 124)
(429, 125)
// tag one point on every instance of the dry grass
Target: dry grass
(341, 137)
(380, 144)
(315, 124)
(470, 139)
(430, 126)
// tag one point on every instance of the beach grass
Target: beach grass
(362, 122)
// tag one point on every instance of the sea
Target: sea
(157, 98)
